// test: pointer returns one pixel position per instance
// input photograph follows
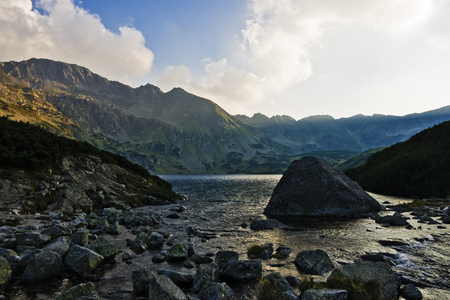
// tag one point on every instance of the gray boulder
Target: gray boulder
(83, 260)
(177, 252)
(162, 288)
(216, 291)
(277, 287)
(312, 187)
(180, 279)
(103, 247)
(205, 274)
(410, 292)
(152, 240)
(81, 237)
(140, 279)
(324, 294)
(13, 259)
(224, 257)
(5, 270)
(31, 239)
(43, 265)
(365, 271)
(242, 270)
(315, 262)
(61, 245)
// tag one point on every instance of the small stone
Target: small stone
(410, 292)
(158, 258)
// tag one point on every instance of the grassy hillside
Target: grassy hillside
(418, 167)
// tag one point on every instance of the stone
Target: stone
(242, 270)
(292, 280)
(162, 288)
(61, 245)
(57, 231)
(140, 279)
(410, 292)
(112, 213)
(396, 219)
(32, 239)
(152, 240)
(79, 292)
(315, 262)
(113, 228)
(158, 258)
(367, 270)
(42, 266)
(173, 216)
(103, 247)
(277, 287)
(81, 237)
(83, 260)
(139, 247)
(216, 291)
(180, 279)
(13, 259)
(5, 270)
(201, 259)
(324, 294)
(224, 257)
(312, 187)
(266, 224)
(205, 274)
(282, 252)
(177, 252)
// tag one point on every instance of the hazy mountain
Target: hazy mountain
(177, 132)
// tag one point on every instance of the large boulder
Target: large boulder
(242, 270)
(162, 288)
(315, 262)
(43, 265)
(312, 187)
(83, 260)
(103, 247)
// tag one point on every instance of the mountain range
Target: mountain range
(178, 132)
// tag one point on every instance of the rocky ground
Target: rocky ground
(103, 255)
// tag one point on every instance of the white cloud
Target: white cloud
(63, 31)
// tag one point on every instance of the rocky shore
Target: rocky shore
(164, 252)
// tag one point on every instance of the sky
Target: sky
(276, 57)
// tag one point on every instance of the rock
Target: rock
(312, 187)
(112, 213)
(79, 291)
(158, 258)
(201, 259)
(324, 294)
(31, 239)
(266, 224)
(42, 266)
(13, 260)
(395, 220)
(410, 292)
(173, 216)
(205, 274)
(282, 252)
(83, 260)
(5, 270)
(57, 231)
(103, 247)
(113, 228)
(139, 247)
(263, 252)
(140, 279)
(242, 270)
(293, 281)
(152, 240)
(216, 291)
(177, 252)
(180, 279)
(61, 245)
(162, 288)
(224, 257)
(315, 262)
(367, 270)
(189, 264)
(81, 237)
(275, 286)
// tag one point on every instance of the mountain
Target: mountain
(178, 132)
(418, 167)
(40, 170)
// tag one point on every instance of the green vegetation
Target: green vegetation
(417, 168)
(255, 251)
(305, 284)
(266, 291)
(357, 290)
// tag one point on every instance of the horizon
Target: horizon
(286, 57)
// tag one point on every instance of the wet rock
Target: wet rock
(80, 291)
(315, 262)
(61, 245)
(177, 252)
(367, 270)
(282, 252)
(83, 260)
(103, 247)
(268, 224)
(201, 259)
(5, 270)
(242, 270)
(277, 287)
(224, 257)
(43, 265)
(140, 279)
(205, 274)
(162, 288)
(312, 187)
(81, 237)
(324, 294)
(180, 279)
(410, 292)
(216, 291)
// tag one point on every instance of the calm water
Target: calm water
(221, 203)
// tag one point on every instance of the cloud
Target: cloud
(60, 30)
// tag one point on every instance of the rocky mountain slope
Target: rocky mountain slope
(418, 167)
(177, 132)
(40, 171)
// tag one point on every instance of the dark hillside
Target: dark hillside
(418, 167)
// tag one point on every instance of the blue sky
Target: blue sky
(293, 57)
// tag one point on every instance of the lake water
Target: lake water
(220, 204)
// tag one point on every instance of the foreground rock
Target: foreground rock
(315, 262)
(312, 187)
(277, 287)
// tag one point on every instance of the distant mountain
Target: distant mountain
(418, 167)
(177, 132)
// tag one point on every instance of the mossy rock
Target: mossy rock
(177, 252)
(5, 270)
(103, 247)
(83, 260)
(81, 290)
